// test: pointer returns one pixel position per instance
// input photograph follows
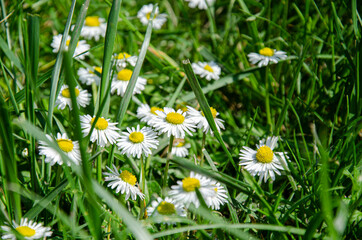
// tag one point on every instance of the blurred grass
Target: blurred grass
(314, 98)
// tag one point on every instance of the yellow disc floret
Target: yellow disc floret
(166, 208)
(65, 145)
(180, 144)
(264, 154)
(128, 177)
(154, 109)
(98, 69)
(136, 137)
(123, 55)
(175, 118)
(68, 42)
(213, 112)
(101, 123)
(148, 16)
(92, 21)
(66, 92)
(208, 68)
(189, 184)
(25, 231)
(124, 75)
(266, 52)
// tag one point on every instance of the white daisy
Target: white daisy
(89, 76)
(94, 27)
(200, 120)
(124, 182)
(180, 148)
(184, 192)
(123, 58)
(103, 132)
(137, 141)
(81, 48)
(146, 113)
(208, 70)
(173, 123)
(263, 162)
(266, 55)
(218, 198)
(121, 80)
(69, 148)
(82, 97)
(201, 4)
(144, 15)
(165, 208)
(27, 229)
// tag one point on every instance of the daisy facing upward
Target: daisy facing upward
(28, 229)
(263, 162)
(82, 97)
(124, 182)
(103, 132)
(265, 56)
(121, 80)
(81, 49)
(136, 141)
(208, 70)
(94, 27)
(144, 15)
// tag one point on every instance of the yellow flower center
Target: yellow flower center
(92, 21)
(154, 109)
(66, 92)
(266, 52)
(136, 137)
(25, 231)
(215, 189)
(166, 208)
(264, 154)
(68, 41)
(208, 68)
(124, 75)
(148, 16)
(180, 144)
(65, 145)
(101, 123)
(128, 177)
(189, 184)
(123, 55)
(97, 69)
(175, 118)
(213, 112)
(182, 107)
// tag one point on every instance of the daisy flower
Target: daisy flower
(121, 80)
(94, 27)
(201, 122)
(89, 76)
(123, 58)
(144, 14)
(173, 123)
(124, 182)
(165, 207)
(180, 148)
(184, 192)
(27, 229)
(82, 46)
(218, 198)
(208, 70)
(201, 4)
(137, 141)
(263, 161)
(103, 132)
(266, 55)
(146, 113)
(69, 148)
(82, 97)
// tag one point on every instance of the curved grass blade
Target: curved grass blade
(205, 107)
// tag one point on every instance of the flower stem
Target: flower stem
(143, 181)
(99, 168)
(202, 148)
(164, 185)
(267, 103)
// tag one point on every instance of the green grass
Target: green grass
(312, 100)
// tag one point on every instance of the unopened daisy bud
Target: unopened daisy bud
(25, 153)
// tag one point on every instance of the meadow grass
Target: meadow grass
(311, 100)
